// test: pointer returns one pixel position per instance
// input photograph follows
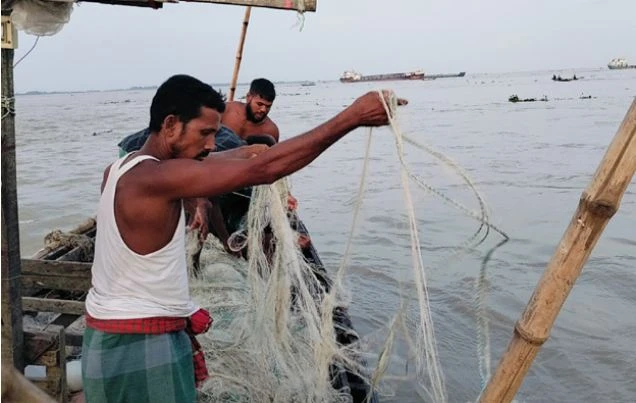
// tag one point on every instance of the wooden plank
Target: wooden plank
(85, 227)
(74, 339)
(65, 320)
(12, 338)
(56, 267)
(49, 358)
(48, 348)
(36, 343)
(66, 283)
(296, 5)
(59, 371)
(74, 255)
(52, 305)
(57, 275)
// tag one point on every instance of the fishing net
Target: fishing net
(41, 17)
(274, 338)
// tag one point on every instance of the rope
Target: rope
(300, 15)
(356, 209)
(426, 325)
(8, 106)
(483, 338)
(27, 53)
(433, 367)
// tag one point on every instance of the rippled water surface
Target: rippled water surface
(531, 161)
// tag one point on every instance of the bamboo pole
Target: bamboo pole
(12, 334)
(239, 52)
(597, 205)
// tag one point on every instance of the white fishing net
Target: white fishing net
(41, 17)
(273, 337)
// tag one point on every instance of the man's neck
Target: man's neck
(157, 147)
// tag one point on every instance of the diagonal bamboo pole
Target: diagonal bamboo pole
(598, 204)
(239, 52)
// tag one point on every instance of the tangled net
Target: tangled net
(280, 340)
(273, 338)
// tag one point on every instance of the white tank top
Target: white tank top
(127, 285)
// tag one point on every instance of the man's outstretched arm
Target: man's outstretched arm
(180, 178)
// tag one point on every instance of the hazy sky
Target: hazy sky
(105, 47)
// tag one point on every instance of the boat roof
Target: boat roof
(293, 5)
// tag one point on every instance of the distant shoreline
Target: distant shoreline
(142, 88)
(225, 85)
(83, 91)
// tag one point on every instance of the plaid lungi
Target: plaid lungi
(137, 367)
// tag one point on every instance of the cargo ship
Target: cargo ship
(351, 76)
(619, 64)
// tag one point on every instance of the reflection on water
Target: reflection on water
(531, 161)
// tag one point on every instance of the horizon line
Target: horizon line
(217, 85)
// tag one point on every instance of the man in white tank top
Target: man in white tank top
(138, 344)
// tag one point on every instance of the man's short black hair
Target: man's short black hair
(263, 88)
(183, 96)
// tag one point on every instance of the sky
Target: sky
(111, 47)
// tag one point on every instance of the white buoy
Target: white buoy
(35, 372)
(74, 375)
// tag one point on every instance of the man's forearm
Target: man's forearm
(291, 155)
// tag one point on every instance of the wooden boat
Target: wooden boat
(515, 98)
(565, 79)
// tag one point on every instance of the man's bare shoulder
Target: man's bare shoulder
(234, 106)
(270, 128)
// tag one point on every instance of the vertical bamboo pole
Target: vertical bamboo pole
(598, 204)
(12, 334)
(239, 52)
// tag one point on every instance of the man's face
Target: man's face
(196, 138)
(257, 108)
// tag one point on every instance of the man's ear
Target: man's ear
(170, 124)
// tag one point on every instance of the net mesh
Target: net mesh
(274, 338)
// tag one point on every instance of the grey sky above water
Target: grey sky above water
(107, 47)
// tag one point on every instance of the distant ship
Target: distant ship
(619, 64)
(355, 77)
(308, 83)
